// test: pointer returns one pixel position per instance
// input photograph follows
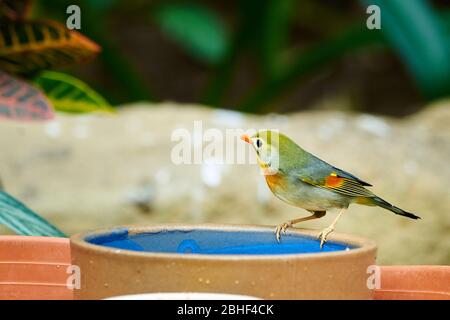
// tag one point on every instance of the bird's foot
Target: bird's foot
(324, 234)
(282, 229)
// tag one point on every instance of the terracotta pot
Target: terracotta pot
(34, 268)
(414, 283)
(244, 260)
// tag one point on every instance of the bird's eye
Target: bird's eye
(258, 143)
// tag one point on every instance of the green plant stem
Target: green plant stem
(275, 24)
(224, 72)
(124, 73)
(268, 17)
(115, 62)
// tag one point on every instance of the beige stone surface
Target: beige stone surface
(86, 172)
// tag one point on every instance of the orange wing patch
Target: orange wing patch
(333, 181)
(345, 186)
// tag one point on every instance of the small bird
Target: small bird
(301, 179)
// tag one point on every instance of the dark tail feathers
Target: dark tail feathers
(386, 205)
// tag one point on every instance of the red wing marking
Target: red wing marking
(333, 181)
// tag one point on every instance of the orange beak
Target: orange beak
(246, 138)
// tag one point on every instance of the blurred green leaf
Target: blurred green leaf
(419, 37)
(197, 29)
(69, 94)
(417, 33)
(20, 219)
(310, 60)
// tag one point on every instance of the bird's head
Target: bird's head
(266, 144)
(275, 151)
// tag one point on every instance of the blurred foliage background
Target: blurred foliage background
(257, 56)
(265, 55)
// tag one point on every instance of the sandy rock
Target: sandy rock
(86, 172)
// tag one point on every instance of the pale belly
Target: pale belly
(308, 197)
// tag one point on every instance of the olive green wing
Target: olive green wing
(322, 175)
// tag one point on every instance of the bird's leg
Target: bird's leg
(325, 232)
(282, 227)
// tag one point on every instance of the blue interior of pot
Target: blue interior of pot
(209, 241)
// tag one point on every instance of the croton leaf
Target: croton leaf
(21, 101)
(22, 220)
(30, 46)
(14, 9)
(70, 94)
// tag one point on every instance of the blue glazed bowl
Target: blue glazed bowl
(213, 241)
(243, 260)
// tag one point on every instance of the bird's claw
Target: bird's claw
(324, 234)
(281, 228)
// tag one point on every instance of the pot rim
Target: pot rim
(362, 245)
